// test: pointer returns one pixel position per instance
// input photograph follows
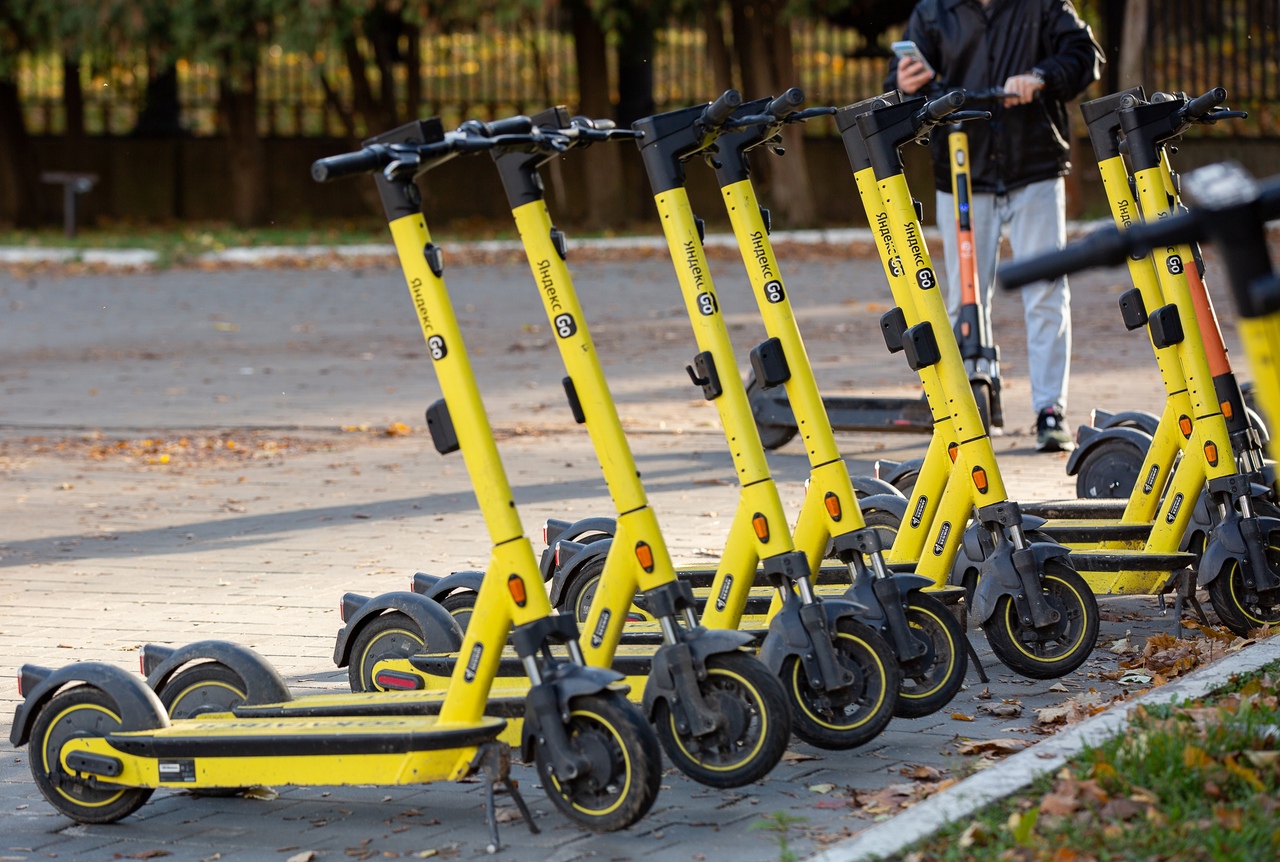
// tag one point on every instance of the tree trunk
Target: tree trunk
(72, 99)
(19, 176)
(748, 47)
(413, 62)
(239, 97)
(635, 66)
(717, 49)
(1133, 42)
(161, 115)
(602, 165)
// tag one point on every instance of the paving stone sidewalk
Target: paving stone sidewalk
(106, 546)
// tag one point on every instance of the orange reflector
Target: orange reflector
(644, 555)
(515, 586)
(980, 480)
(1184, 425)
(954, 451)
(964, 329)
(833, 505)
(1226, 409)
(761, 525)
(1211, 453)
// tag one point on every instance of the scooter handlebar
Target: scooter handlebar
(789, 101)
(715, 114)
(940, 107)
(1202, 105)
(349, 164)
(1107, 247)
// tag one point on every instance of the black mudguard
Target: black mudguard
(998, 577)
(706, 643)
(787, 635)
(438, 626)
(263, 684)
(1204, 517)
(869, 486)
(569, 569)
(1139, 419)
(1088, 439)
(864, 592)
(894, 503)
(552, 700)
(1228, 544)
(138, 706)
(584, 528)
(437, 589)
(911, 465)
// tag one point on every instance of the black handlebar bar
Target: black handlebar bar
(715, 114)
(786, 103)
(1202, 105)
(363, 161)
(938, 108)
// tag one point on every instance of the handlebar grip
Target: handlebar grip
(348, 164)
(789, 101)
(1201, 105)
(517, 125)
(1108, 247)
(943, 105)
(718, 112)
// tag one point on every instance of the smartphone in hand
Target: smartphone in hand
(909, 49)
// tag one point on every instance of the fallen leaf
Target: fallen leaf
(1058, 687)
(975, 835)
(1262, 759)
(507, 815)
(994, 746)
(798, 757)
(822, 788)
(1058, 804)
(304, 856)
(921, 773)
(1006, 709)
(149, 854)
(266, 794)
(426, 854)
(960, 716)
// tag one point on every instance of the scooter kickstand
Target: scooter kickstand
(974, 661)
(493, 761)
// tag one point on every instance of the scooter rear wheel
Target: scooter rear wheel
(626, 765)
(931, 681)
(460, 605)
(1063, 648)
(1227, 592)
(389, 635)
(1109, 470)
(78, 712)
(755, 725)
(851, 716)
(200, 689)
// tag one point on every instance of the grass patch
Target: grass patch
(1191, 781)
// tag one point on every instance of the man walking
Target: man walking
(1042, 55)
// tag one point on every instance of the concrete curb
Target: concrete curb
(1012, 775)
(249, 255)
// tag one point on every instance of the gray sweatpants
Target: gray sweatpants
(1035, 216)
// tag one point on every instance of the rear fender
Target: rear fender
(894, 503)
(263, 684)
(570, 568)
(138, 706)
(911, 465)
(1088, 439)
(437, 625)
(439, 588)
(870, 486)
(1139, 419)
(584, 531)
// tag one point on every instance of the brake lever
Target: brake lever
(808, 114)
(1223, 114)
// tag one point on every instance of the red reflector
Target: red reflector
(634, 618)
(396, 681)
(515, 586)
(556, 555)
(142, 667)
(21, 693)
(342, 614)
(544, 532)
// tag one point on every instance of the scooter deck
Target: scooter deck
(1099, 509)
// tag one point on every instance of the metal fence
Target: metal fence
(495, 70)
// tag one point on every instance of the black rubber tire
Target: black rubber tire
(77, 712)
(1226, 592)
(1068, 594)
(389, 635)
(200, 689)
(609, 729)
(884, 522)
(906, 483)
(753, 705)
(1109, 470)
(460, 605)
(929, 683)
(982, 395)
(864, 707)
(578, 593)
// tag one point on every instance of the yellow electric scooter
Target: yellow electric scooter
(720, 714)
(102, 740)
(1038, 614)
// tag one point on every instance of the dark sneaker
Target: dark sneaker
(1051, 432)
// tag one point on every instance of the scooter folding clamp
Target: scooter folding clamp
(703, 373)
(531, 637)
(1006, 514)
(1132, 310)
(769, 362)
(440, 424)
(670, 599)
(920, 346)
(893, 324)
(1166, 327)
(864, 541)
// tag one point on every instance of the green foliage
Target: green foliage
(779, 823)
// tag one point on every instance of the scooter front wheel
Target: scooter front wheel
(932, 680)
(856, 714)
(82, 711)
(390, 635)
(755, 725)
(1055, 650)
(1109, 471)
(1227, 592)
(626, 765)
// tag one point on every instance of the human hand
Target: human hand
(912, 75)
(1021, 88)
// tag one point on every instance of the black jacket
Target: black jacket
(979, 47)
